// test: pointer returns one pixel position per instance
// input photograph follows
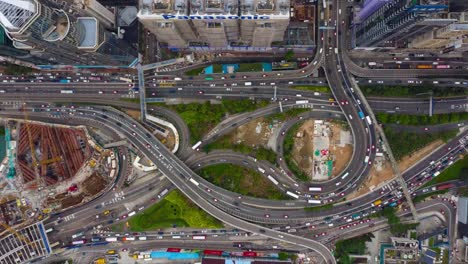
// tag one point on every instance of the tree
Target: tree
(289, 55)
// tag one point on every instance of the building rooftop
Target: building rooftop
(90, 26)
(206, 7)
(149, 7)
(275, 8)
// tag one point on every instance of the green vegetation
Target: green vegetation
(174, 210)
(405, 143)
(437, 252)
(131, 100)
(2, 131)
(422, 197)
(13, 69)
(313, 88)
(413, 235)
(396, 227)
(259, 152)
(319, 208)
(200, 118)
(288, 149)
(195, 72)
(241, 180)
(286, 256)
(120, 227)
(289, 55)
(286, 114)
(356, 245)
(421, 120)
(407, 91)
(250, 67)
(463, 191)
(454, 172)
(445, 257)
(431, 242)
(218, 68)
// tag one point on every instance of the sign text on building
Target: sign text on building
(207, 17)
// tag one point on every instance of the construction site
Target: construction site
(48, 155)
(48, 168)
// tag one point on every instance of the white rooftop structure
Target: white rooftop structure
(15, 14)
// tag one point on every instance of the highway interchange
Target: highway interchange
(248, 213)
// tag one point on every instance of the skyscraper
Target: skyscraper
(392, 23)
(216, 24)
(261, 33)
(51, 33)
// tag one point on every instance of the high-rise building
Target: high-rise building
(261, 33)
(53, 34)
(216, 24)
(393, 23)
(95, 9)
(176, 33)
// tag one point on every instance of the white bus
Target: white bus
(273, 180)
(368, 120)
(345, 175)
(248, 83)
(163, 193)
(77, 235)
(315, 189)
(111, 239)
(196, 145)
(142, 238)
(199, 237)
(261, 170)
(336, 50)
(66, 91)
(314, 201)
(49, 230)
(194, 181)
(132, 213)
(293, 195)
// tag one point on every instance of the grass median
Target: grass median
(175, 210)
(241, 180)
(405, 143)
(457, 171)
(421, 120)
(313, 88)
(411, 91)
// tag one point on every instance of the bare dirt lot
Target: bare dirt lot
(71, 201)
(303, 150)
(133, 113)
(247, 134)
(93, 184)
(342, 154)
(376, 177)
(410, 160)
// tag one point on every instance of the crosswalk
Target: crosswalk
(69, 217)
(118, 197)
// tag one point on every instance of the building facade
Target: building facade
(382, 23)
(48, 32)
(217, 24)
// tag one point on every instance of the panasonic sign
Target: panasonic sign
(166, 16)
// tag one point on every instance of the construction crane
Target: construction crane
(28, 130)
(18, 235)
(31, 145)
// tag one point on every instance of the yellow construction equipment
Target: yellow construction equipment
(52, 160)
